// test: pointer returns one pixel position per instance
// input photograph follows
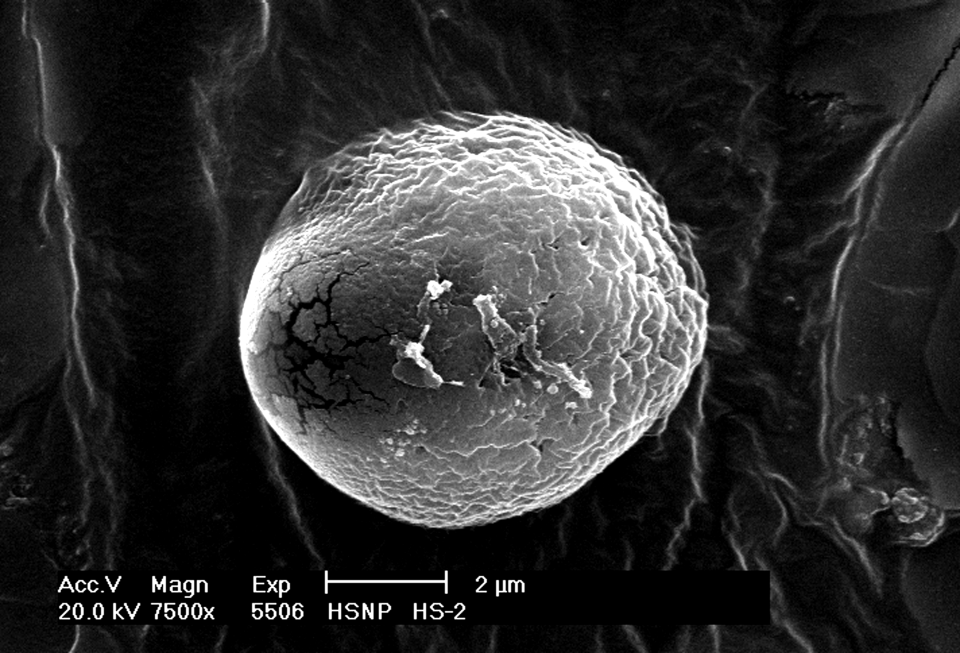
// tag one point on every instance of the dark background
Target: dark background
(813, 148)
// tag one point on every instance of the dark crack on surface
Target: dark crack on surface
(303, 306)
(301, 358)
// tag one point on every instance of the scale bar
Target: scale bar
(327, 582)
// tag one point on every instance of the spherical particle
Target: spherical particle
(502, 293)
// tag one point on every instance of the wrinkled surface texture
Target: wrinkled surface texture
(464, 320)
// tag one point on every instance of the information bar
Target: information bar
(484, 597)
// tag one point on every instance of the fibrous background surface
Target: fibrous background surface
(464, 319)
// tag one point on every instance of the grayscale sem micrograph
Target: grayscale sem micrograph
(489, 325)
